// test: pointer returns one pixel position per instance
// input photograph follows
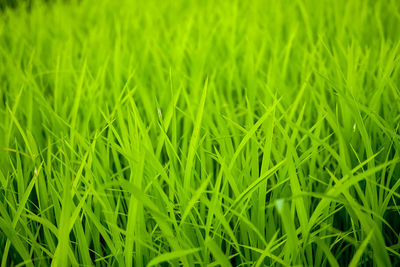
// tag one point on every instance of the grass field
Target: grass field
(200, 133)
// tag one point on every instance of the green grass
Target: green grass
(208, 133)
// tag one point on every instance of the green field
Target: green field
(200, 133)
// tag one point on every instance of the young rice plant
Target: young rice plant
(200, 133)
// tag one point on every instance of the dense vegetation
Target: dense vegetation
(244, 133)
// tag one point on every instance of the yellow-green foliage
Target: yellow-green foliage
(200, 133)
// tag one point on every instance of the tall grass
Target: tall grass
(218, 133)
